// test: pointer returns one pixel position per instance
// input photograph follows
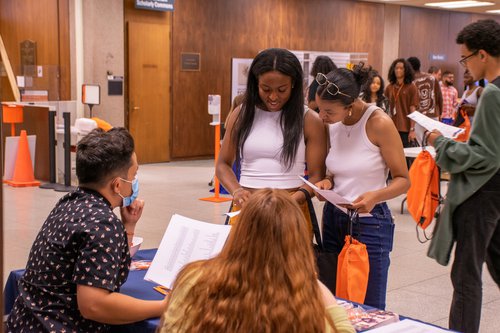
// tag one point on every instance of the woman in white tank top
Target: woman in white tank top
(364, 147)
(470, 96)
(271, 136)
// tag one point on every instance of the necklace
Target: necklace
(348, 128)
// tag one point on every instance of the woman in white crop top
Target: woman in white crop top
(271, 136)
(364, 147)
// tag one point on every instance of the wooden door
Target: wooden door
(149, 90)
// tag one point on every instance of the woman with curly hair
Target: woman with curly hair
(264, 279)
(403, 99)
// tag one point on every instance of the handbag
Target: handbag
(326, 262)
(353, 267)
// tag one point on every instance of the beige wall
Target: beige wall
(103, 51)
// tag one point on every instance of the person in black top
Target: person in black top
(80, 257)
(322, 64)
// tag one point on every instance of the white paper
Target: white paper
(408, 326)
(329, 195)
(332, 197)
(431, 124)
(185, 240)
(233, 214)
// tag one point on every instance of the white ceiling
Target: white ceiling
(421, 3)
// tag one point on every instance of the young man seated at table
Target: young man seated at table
(80, 257)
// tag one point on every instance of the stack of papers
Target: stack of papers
(185, 240)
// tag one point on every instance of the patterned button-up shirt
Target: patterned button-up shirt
(450, 101)
(81, 242)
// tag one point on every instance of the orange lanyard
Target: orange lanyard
(397, 95)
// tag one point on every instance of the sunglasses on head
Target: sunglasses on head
(331, 87)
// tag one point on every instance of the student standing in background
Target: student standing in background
(322, 64)
(450, 98)
(403, 99)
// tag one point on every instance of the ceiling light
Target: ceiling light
(459, 4)
(495, 11)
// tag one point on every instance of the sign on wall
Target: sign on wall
(190, 61)
(158, 5)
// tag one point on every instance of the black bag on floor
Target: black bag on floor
(326, 261)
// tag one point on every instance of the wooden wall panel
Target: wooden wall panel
(240, 29)
(22, 20)
(64, 50)
(427, 31)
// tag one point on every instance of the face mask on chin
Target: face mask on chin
(127, 201)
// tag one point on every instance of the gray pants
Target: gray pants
(477, 232)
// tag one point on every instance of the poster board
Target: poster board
(241, 66)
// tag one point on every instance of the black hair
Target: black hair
(415, 63)
(409, 74)
(367, 93)
(292, 116)
(481, 35)
(348, 81)
(447, 73)
(102, 155)
(433, 69)
(322, 64)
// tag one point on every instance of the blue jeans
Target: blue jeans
(376, 232)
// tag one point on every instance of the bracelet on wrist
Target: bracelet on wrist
(237, 190)
(426, 136)
(330, 179)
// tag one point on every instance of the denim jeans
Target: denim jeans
(476, 229)
(376, 232)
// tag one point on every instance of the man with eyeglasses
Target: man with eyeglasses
(471, 215)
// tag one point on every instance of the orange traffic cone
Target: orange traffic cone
(23, 170)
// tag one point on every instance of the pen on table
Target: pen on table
(162, 290)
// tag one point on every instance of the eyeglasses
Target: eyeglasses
(331, 87)
(463, 61)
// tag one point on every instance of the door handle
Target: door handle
(136, 108)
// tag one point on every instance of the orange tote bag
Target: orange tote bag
(423, 195)
(353, 267)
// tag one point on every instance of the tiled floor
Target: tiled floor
(418, 286)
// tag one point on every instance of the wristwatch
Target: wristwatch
(412, 129)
